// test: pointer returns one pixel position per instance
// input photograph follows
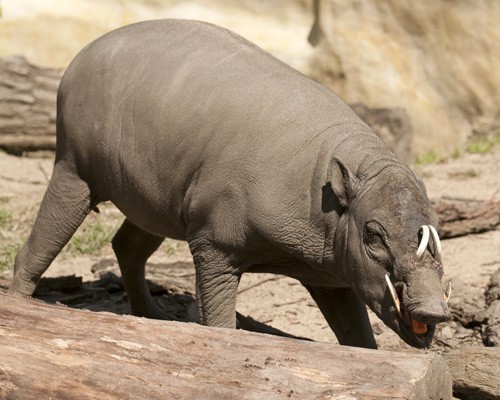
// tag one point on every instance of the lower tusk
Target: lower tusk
(394, 295)
(424, 242)
(447, 293)
(437, 242)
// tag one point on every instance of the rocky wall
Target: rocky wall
(436, 59)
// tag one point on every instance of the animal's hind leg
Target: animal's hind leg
(133, 246)
(65, 205)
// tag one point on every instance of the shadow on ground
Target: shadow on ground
(171, 286)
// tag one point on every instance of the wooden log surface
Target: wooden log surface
(18, 144)
(50, 351)
(460, 218)
(27, 105)
(476, 372)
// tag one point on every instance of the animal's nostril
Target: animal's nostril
(431, 315)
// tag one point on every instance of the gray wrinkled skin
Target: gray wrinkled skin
(196, 134)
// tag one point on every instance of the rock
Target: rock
(430, 58)
(436, 60)
(392, 125)
(467, 304)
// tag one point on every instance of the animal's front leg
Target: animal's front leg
(216, 286)
(346, 314)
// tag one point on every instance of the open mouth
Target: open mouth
(418, 332)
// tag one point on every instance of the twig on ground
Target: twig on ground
(274, 278)
(290, 302)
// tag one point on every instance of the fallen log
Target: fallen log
(27, 105)
(462, 218)
(18, 144)
(51, 351)
(476, 372)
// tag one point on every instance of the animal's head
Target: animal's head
(390, 249)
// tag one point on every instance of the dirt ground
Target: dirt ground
(275, 301)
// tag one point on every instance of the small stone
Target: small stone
(447, 332)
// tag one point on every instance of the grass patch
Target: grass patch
(5, 217)
(170, 247)
(91, 238)
(480, 147)
(7, 256)
(457, 153)
(478, 143)
(427, 158)
(4, 199)
(484, 143)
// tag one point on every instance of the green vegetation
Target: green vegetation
(457, 153)
(8, 245)
(170, 247)
(7, 256)
(5, 217)
(478, 144)
(428, 158)
(91, 238)
(483, 144)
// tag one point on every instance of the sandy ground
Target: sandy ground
(276, 301)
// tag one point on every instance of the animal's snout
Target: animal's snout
(431, 313)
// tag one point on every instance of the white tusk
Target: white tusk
(437, 242)
(447, 293)
(394, 295)
(424, 242)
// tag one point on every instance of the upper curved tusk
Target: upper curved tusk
(447, 292)
(394, 295)
(424, 242)
(437, 242)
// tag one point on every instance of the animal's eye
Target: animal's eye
(374, 241)
(372, 236)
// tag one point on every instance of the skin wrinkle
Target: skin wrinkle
(415, 302)
(336, 150)
(35, 255)
(75, 212)
(316, 136)
(365, 188)
(385, 236)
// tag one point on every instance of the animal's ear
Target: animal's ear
(344, 182)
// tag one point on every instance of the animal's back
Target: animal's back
(155, 103)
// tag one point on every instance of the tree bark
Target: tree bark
(50, 351)
(27, 105)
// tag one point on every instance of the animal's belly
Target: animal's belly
(156, 221)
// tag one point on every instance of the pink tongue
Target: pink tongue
(418, 328)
